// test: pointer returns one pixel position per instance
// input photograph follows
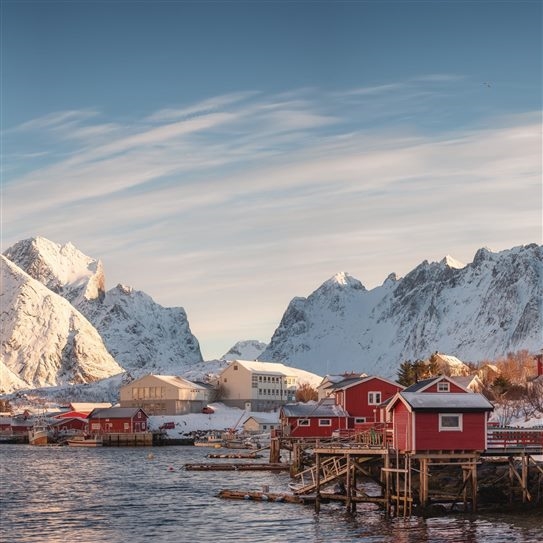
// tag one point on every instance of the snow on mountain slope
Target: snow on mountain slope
(142, 335)
(249, 349)
(482, 310)
(44, 340)
(61, 268)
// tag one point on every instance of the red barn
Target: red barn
(361, 397)
(115, 420)
(312, 419)
(437, 414)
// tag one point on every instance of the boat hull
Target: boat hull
(84, 442)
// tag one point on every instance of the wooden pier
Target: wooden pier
(140, 439)
(237, 466)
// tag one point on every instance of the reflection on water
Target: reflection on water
(60, 494)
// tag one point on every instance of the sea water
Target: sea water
(132, 495)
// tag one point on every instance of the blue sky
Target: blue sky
(228, 156)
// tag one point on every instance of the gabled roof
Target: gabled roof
(87, 407)
(347, 383)
(262, 419)
(272, 368)
(421, 386)
(115, 412)
(307, 410)
(174, 380)
(443, 401)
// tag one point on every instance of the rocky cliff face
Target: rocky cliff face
(480, 311)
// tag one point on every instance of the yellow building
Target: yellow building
(165, 395)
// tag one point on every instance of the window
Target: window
(443, 386)
(325, 422)
(235, 367)
(374, 398)
(303, 422)
(449, 422)
(359, 420)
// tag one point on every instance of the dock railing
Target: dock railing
(515, 438)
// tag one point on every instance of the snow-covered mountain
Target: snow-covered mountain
(44, 340)
(249, 349)
(479, 311)
(141, 335)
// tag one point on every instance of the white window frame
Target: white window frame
(457, 428)
(304, 422)
(360, 420)
(325, 422)
(444, 386)
(372, 395)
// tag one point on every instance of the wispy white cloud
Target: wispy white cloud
(263, 197)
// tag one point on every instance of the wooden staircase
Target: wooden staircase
(330, 469)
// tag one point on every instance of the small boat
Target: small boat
(210, 440)
(85, 441)
(39, 434)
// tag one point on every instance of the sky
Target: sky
(228, 156)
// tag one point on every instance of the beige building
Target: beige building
(260, 386)
(261, 425)
(165, 395)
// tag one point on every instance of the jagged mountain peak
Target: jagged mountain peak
(480, 311)
(44, 340)
(142, 335)
(451, 262)
(62, 268)
(343, 281)
(249, 349)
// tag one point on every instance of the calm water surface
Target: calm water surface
(118, 495)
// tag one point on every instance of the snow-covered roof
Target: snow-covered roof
(310, 409)
(179, 382)
(445, 401)
(87, 407)
(264, 418)
(276, 368)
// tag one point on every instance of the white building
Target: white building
(261, 386)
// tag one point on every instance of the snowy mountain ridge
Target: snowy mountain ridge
(140, 334)
(478, 311)
(45, 341)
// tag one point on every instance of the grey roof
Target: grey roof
(347, 382)
(313, 410)
(114, 412)
(447, 401)
(420, 384)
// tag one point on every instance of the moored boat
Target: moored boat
(85, 441)
(39, 434)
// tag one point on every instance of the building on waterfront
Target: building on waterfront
(261, 424)
(165, 395)
(115, 420)
(259, 386)
(439, 414)
(363, 398)
(312, 419)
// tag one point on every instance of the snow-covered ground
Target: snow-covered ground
(222, 419)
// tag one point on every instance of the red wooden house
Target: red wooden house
(118, 420)
(436, 415)
(312, 419)
(69, 425)
(361, 398)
